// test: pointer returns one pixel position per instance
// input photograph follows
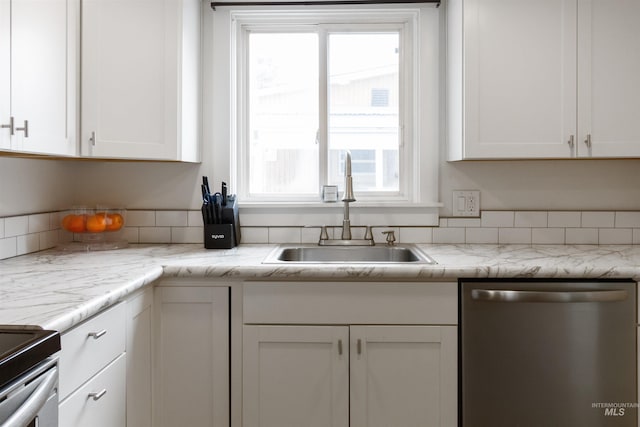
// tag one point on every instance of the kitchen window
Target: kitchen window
(307, 85)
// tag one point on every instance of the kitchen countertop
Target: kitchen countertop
(56, 290)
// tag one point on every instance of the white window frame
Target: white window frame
(419, 202)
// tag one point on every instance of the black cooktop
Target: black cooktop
(22, 349)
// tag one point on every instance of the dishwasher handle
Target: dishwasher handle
(30, 408)
(498, 295)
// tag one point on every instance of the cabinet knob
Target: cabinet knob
(587, 141)
(25, 128)
(10, 126)
(570, 141)
(96, 335)
(98, 395)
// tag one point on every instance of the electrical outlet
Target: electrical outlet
(466, 203)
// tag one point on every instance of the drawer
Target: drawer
(101, 402)
(434, 303)
(91, 346)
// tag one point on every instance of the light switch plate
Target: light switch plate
(466, 203)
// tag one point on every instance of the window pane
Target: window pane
(283, 113)
(364, 108)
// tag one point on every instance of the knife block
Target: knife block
(219, 236)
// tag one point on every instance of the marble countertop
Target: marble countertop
(57, 290)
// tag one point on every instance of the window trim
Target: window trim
(220, 107)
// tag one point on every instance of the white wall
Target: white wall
(32, 186)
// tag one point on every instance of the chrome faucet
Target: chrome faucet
(348, 197)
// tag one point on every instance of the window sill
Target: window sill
(256, 214)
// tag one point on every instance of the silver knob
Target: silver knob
(588, 140)
(391, 237)
(10, 126)
(25, 129)
(570, 141)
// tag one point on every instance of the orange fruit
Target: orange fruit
(115, 221)
(96, 223)
(74, 223)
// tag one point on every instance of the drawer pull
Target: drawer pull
(98, 395)
(97, 335)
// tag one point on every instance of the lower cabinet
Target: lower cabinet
(358, 376)
(191, 356)
(349, 354)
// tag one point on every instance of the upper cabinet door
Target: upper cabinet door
(43, 75)
(5, 74)
(141, 73)
(518, 78)
(608, 73)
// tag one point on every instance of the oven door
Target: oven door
(32, 399)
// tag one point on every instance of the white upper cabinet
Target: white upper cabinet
(5, 74)
(140, 79)
(38, 76)
(608, 78)
(534, 79)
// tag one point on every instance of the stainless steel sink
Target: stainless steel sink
(348, 254)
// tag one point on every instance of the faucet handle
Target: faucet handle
(368, 234)
(323, 233)
(391, 237)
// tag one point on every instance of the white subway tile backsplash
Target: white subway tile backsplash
(24, 234)
(39, 222)
(48, 239)
(482, 235)
(131, 234)
(514, 236)
(530, 219)
(187, 234)
(16, 226)
(140, 219)
(581, 236)
(8, 247)
(464, 222)
(598, 219)
(547, 236)
(194, 219)
(627, 220)
(449, 235)
(254, 235)
(615, 236)
(28, 243)
(171, 218)
(564, 219)
(416, 235)
(497, 218)
(154, 235)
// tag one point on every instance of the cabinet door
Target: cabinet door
(43, 75)
(5, 73)
(295, 376)
(403, 376)
(192, 350)
(519, 88)
(608, 70)
(139, 352)
(140, 72)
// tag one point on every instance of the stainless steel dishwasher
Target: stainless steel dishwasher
(548, 353)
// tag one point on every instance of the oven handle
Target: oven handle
(495, 295)
(30, 408)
